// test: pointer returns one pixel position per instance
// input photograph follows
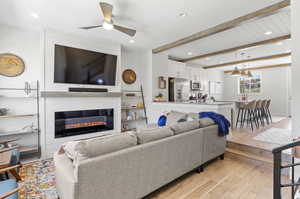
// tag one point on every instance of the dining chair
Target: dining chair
(250, 114)
(268, 110)
(259, 113)
(9, 188)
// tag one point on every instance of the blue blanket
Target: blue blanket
(219, 119)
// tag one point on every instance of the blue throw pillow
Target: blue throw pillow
(162, 120)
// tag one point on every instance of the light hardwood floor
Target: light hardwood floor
(232, 178)
(245, 136)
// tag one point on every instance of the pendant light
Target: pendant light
(249, 74)
(236, 72)
(243, 73)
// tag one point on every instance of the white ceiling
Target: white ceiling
(278, 24)
(157, 21)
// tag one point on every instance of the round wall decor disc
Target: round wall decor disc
(11, 65)
(129, 76)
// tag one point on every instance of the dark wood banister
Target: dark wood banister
(277, 152)
(287, 146)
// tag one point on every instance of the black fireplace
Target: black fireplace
(70, 123)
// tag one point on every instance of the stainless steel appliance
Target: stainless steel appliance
(179, 89)
(195, 85)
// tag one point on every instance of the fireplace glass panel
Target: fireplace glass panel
(70, 123)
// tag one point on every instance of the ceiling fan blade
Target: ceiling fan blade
(90, 27)
(125, 30)
(106, 10)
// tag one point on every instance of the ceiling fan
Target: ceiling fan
(108, 23)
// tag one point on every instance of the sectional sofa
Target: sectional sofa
(132, 165)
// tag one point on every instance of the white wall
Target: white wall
(275, 86)
(27, 45)
(295, 7)
(139, 61)
(159, 68)
(37, 50)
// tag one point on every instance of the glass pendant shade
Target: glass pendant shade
(249, 74)
(243, 73)
(236, 72)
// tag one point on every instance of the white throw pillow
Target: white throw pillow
(174, 117)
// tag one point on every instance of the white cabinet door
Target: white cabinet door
(177, 69)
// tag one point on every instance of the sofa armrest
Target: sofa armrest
(214, 145)
(66, 177)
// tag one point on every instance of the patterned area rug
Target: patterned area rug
(38, 180)
(276, 136)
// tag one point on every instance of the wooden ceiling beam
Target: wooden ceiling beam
(260, 43)
(249, 60)
(261, 67)
(224, 26)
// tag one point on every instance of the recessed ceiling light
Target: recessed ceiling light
(131, 41)
(207, 58)
(190, 53)
(183, 14)
(34, 15)
(268, 33)
(279, 43)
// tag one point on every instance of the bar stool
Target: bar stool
(264, 111)
(268, 109)
(258, 112)
(250, 114)
(241, 109)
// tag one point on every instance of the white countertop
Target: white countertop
(205, 104)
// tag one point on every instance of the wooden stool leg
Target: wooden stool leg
(237, 119)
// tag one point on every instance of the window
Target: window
(250, 85)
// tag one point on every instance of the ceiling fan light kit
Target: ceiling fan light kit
(108, 23)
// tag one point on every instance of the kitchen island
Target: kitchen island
(224, 108)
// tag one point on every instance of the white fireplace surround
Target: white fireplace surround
(78, 101)
(73, 104)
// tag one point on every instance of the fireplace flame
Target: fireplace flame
(84, 124)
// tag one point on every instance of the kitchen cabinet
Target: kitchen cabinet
(194, 74)
(177, 69)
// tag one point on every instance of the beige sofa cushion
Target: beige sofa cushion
(84, 149)
(174, 117)
(205, 122)
(185, 126)
(193, 116)
(153, 134)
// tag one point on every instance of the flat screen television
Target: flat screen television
(78, 66)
